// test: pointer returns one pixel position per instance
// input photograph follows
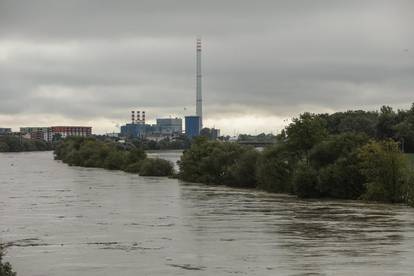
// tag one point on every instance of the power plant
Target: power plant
(170, 127)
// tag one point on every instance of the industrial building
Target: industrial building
(47, 133)
(38, 133)
(66, 131)
(169, 126)
(5, 131)
(165, 127)
(192, 126)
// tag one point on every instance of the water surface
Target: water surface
(62, 220)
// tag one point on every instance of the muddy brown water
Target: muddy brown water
(61, 220)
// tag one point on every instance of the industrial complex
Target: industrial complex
(137, 127)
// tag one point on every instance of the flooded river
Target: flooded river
(61, 220)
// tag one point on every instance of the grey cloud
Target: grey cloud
(89, 59)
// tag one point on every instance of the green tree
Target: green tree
(275, 169)
(156, 167)
(386, 171)
(304, 133)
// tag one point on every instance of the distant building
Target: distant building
(38, 133)
(5, 131)
(215, 133)
(169, 126)
(192, 126)
(67, 131)
(133, 130)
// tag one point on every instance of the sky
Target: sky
(92, 62)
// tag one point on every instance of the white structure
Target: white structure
(199, 101)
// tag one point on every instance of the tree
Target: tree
(304, 133)
(386, 171)
(275, 169)
(156, 167)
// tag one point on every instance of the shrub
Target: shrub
(5, 268)
(156, 167)
(386, 171)
(275, 170)
(133, 168)
(306, 182)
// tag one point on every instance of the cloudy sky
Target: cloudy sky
(91, 62)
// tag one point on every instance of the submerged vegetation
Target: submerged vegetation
(5, 268)
(17, 144)
(90, 152)
(347, 155)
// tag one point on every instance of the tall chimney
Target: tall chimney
(143, 117)
(139, 116)
(199, 101)
(133, 117)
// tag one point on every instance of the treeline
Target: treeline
(5, 268)
(347, 155)
(17, 144)
(90, 152)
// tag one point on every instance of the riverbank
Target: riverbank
(93, 153)
(19, 144)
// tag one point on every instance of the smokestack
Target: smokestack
(139, 116)
(199, 101)
(133, 117)
(143, 117)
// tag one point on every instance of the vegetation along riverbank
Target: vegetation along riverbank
(346, 155)
(90, 152)
(18, 144)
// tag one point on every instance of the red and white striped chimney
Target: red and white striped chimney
(133, 117)
(138, 116)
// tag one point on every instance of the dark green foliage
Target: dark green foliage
(5, 268)
(386, 171)
(304, 133)
(90, 152)
(243, 171)
(275, 169)
(305, 182)
(156, 167)
(214, 162)
(133, 168)
(318, 156)
(17, 144)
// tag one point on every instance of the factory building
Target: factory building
(5, 131)
(66, 131)
(169, 126)
(192, 126)
(136, 128)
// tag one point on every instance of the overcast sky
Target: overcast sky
(91, 62)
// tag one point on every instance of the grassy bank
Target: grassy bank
(90, 152)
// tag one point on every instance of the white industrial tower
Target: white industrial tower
(199, 100)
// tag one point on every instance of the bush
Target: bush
(243, 171)
(156, 167)
(5, 268)
(275, 170)
(133, 168)
(386, 171)
(306, 182)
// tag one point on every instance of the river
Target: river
(65, 220)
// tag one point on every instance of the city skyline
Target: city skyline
(62, 65)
